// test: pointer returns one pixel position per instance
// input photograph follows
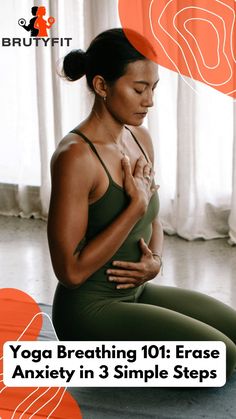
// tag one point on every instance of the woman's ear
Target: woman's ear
(100, 86)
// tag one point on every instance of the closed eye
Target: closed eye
(139, 91)
(142, 91)
(145, 84)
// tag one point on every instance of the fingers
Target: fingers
(139, 167)
(125, 280)
(128, 269)
(125, 286)
(142, 168)
(144, 248)
(144, 175)
(126, 166)
(148, 173)
(114, 274)
(135, 266)
(146, 170)
(154, 188)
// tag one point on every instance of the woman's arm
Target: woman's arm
(73, 179)
(157, 239)
(131, 274)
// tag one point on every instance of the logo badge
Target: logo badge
(38, 25)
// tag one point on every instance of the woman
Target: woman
(41, 24)
(104, 234)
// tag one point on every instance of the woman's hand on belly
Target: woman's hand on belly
(133, 274)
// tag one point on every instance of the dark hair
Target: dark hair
(108, 56)
(34, 10)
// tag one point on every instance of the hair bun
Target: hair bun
(74, 64)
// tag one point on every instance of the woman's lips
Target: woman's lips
(141, 114)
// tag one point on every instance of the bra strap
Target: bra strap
(92, 146)
(139, 145)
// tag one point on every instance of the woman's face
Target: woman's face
(41, 11)
(129, 98)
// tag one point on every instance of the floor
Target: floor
(206, 266)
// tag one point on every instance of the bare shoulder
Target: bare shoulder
(72, 155)
(145, 140)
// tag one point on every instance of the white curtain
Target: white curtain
(36, 110)
(195, 160)
(193, 128)
(232, 216)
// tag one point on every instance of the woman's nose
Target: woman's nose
(148, 99)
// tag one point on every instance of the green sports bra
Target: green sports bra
(107, 208)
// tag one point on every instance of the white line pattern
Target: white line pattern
(221, 40)
(57, 390)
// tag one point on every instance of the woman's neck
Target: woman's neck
(105, 124)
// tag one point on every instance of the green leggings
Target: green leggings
(155, 313)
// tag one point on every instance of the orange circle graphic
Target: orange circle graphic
(194, 38)
(20, 319)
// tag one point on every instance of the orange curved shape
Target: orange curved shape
(194, 38)
(20, 319)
